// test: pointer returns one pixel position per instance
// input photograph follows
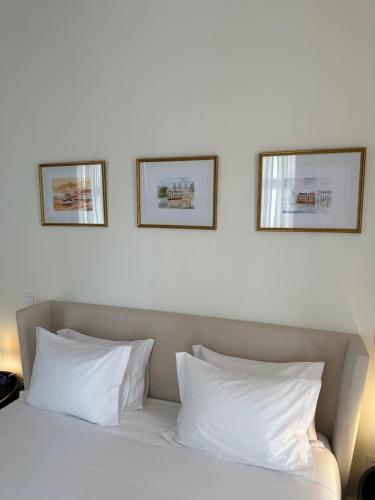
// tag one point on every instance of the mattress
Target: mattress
(48, 456)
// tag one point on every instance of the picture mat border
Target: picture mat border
(358, 229)
(102, 163)
(215, 159)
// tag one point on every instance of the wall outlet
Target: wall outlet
(370, 461)
(28, 299)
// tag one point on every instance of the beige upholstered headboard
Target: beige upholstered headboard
(345, 354)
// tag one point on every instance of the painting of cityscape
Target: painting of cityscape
(72, 194)
(307, 195)
(311, 190)
(176, 192)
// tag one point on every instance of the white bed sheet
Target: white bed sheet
(47, 456)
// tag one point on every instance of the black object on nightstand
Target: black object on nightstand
(366, 488)
(10, 387)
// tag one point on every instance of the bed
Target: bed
(71, 459)
(56, 456)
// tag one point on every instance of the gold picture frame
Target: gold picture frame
(73, 193)
(319, 198)
(187, 210)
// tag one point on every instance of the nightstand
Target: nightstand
(10, 386)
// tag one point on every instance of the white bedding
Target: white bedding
(47, 456)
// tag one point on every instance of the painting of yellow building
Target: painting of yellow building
(176, 193)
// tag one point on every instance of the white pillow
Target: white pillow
(134, 388)
(299, 369)
(239, 417)
(77, 379)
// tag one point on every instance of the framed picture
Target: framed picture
(177, 192)
(73, 194)
(312, 190)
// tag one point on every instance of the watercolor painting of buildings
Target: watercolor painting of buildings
(176, 192)
(313, 195)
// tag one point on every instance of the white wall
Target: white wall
(120, 79)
